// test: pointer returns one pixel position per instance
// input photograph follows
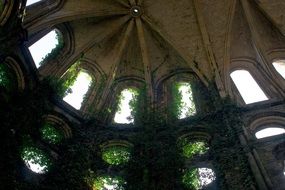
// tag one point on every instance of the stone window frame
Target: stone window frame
(258, 75)
(264, 122)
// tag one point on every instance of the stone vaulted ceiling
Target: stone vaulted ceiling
(150, 40)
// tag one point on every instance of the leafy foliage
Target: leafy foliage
(191, 179)
(55, 52)
(198, 178)
(36, 156)
(50, 134)
(191, 149)
(180, 93)
(131, 103)
(107, 182)
(116, 155)
(70, 77)
(7, 79)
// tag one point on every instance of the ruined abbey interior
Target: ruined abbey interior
(142, 94)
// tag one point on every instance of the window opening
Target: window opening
(183, 100)
(7, 78)
(198, 178)
(109, 183)
(191, 149)
(280, 67)
(77, 91)
(51, 134)
(116, 155)
(30, 2)
(269, 132)
(46, 47)
(36, 159)
(247, 87)
(125, 113)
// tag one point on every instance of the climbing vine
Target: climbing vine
(55, 51)
(50, 134)
(116, 155)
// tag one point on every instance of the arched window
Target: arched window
(125, 111)
(269, 132)
(36, 159)
(198, 178)
(280, 67)
(47, 47)
(7, 78)
(248, 87)
(77, 89)
(30, 2)
(109, 183)
(51, 134)
(116, 155)
(183, 100)
(193, 148)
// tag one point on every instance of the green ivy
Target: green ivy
(36, 156)
(177, 105)
(55, 51)
(117, 183)
(190, 149)
(7, 79)
(50, 134)
(70, 77)
(116, 155)
(191, 179)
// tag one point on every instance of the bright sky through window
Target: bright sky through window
(188, 107)
(247, 87)
(29, 2)
(43, 47)
(268, 132)
(79, 89)
(280, 67)
(35, 167)
(124, 114)
(206, 176)
(35, 160)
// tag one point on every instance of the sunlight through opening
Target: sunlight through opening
(36, 160)
(29, 2)
(280, 67)
(247, 87)
(109, 183)
(43, 47)
(198, 178)
(187, 103)
(269, 132)
(124, 114)
(78, 90)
